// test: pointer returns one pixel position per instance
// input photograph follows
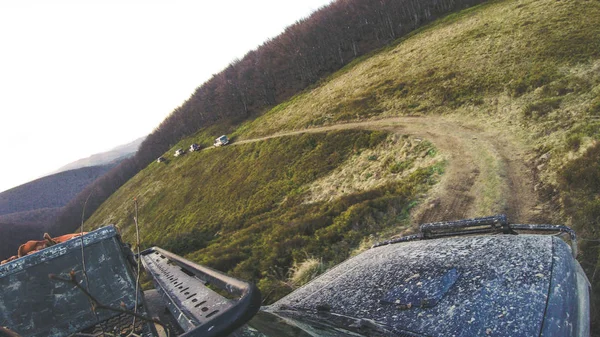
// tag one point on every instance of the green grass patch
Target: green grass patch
(270, 244)
(356, 108)
(240, 208)
(219, 187)
(541, 108)
(528, 79)
(594, 108)
(401, 166)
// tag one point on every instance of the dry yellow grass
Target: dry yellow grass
(303, 272)
(391, 161)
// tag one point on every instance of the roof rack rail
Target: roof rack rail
(497, 224)
(190, 293)
(491, 224)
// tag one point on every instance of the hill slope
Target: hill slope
(41, 216)
(28, 210)
(12, 235)
(525, 75)
(225, 205)
(311, 48)
(105, 158)
(529, 70)
(49, 192)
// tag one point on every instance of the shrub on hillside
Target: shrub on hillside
(530, 79)
(594, 108)
(580, 181)
(541, 108)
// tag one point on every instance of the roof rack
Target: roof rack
(497, 224)
(205, 302)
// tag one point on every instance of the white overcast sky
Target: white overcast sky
(81, 77)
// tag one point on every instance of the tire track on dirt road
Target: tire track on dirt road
(486, 171)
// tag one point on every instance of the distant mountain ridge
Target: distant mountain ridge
(41, 216)
(113, 156)
(49, 192)
(13, 235)
(27, 211)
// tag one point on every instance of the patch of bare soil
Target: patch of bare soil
(486, 171)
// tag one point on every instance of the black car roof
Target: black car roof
(461, 286)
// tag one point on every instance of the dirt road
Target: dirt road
(485, 173)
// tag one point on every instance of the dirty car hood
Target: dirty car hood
(468, 286)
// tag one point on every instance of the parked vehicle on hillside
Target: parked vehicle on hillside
(476, 277)
(221, 141)
(179, 152)
(194, 147)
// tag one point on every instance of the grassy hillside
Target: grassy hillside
(256, 209)
(529, 68)
(518, 60)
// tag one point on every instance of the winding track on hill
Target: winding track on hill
(485, 172)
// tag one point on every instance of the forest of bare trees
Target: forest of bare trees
(281, 67)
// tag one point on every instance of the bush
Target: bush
(594, 108)
(302, 273)
(530, 79)
(580, 181)
(583, 174)
(541, 108)
(401, 166)
(573, 142)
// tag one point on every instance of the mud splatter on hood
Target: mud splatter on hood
(470, 286)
